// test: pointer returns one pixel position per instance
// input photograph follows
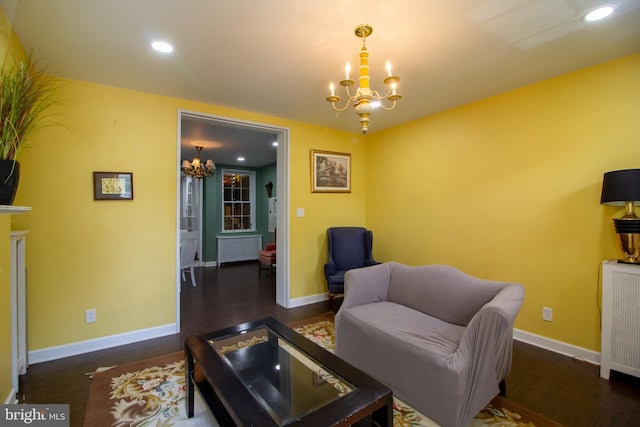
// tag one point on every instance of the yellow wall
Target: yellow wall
(119, 256)
(115, 256)
(322, 210)
(508, 188)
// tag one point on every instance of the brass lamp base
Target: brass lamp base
(628, 230)
(630, 245)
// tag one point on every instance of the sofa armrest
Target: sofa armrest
(366, 285)
(486, 346)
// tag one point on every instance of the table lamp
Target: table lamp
(622, 188)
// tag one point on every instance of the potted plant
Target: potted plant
(26, 94)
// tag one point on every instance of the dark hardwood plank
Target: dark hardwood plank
(565, 390)
(570, 391)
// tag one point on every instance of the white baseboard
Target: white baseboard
(11, 399)
(210, 264)
(311, 299)
(58, 352)
(557, 346)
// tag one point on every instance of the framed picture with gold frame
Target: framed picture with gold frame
(330, 172)
(112, 186)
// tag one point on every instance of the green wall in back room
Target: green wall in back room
(264, 175)
(212, 207)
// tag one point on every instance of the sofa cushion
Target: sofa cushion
(401, 326)
(441, 291)
(414, 354)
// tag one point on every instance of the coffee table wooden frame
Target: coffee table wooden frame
(233, 404)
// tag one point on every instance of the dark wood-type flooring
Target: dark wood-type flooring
(567, 391)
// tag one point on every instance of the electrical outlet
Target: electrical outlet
(547, 314)
(90, 315)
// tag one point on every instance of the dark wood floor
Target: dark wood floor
(564, 390)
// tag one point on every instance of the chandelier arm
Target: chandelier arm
(376, 95)
(379, 97)
(353, 97)
(333, 104)
(387, 108)
(390, 96)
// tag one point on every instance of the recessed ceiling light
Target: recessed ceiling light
(274, 143)
(599, 13)
(162, 47)
(241, 159)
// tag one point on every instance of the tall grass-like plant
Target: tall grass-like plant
(26, 95)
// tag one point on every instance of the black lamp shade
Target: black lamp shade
(621, 186)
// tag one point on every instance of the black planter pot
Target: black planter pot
(9, 178)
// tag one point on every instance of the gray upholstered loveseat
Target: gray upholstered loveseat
(439, 338)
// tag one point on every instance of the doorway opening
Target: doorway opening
(282, 190)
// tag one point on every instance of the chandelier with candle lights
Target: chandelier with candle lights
(365, 97)
(196, 169)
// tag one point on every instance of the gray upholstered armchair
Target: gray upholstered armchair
(439, 338)
(349, 247)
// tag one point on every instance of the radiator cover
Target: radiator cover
(234, 248)
(620, 319)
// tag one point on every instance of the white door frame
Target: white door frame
(282, 172)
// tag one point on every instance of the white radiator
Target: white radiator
(620, 319)
(238, 248)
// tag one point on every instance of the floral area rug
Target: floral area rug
(144, 394)
(152, 393)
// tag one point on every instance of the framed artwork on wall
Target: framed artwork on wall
(330, 172)
(112, 186)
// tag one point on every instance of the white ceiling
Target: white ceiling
(224, 143)
(278, 56)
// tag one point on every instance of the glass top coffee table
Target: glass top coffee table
(263, 373)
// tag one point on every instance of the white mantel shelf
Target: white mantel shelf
(13, 210)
